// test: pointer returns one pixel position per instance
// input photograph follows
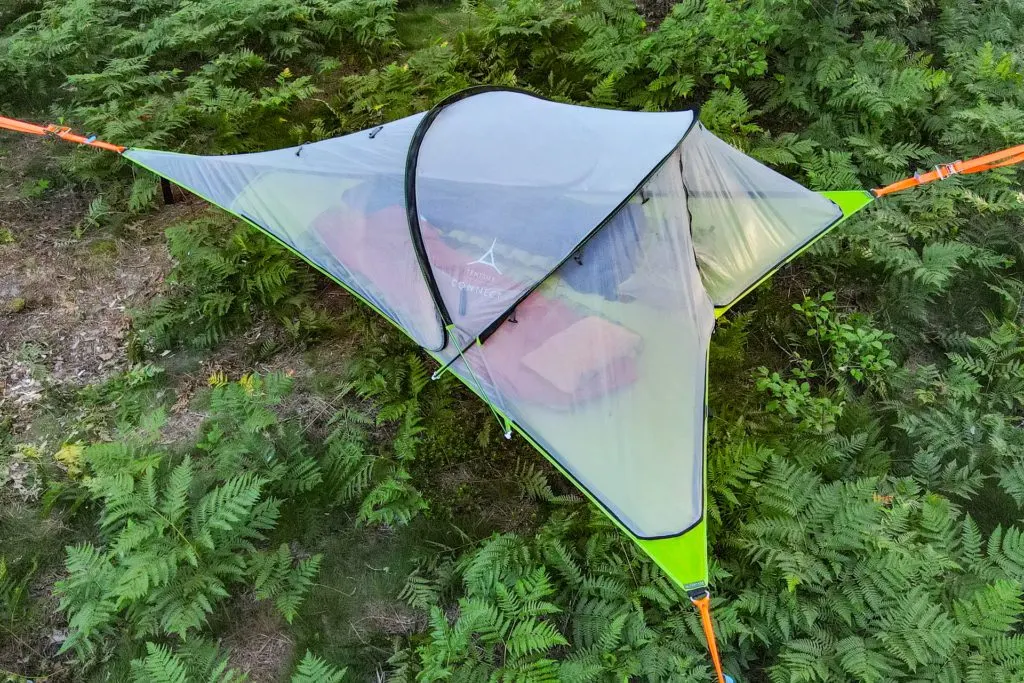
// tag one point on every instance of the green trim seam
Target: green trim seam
(479, 385)
(849, 201)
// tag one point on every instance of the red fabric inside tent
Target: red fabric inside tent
(543, 326)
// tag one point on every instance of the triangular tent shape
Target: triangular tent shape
(567, 263)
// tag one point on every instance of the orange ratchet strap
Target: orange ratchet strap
(702, 601)
(57, 131)
(1007, 157)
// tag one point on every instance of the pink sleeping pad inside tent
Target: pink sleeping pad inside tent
(560, 359)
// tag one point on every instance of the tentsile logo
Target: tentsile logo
(488, 258)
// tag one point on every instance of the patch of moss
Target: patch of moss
(105, 248)
(16, 305)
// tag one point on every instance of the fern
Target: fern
(313, 669)
(179, 536)
(160, 665)
(196, 662)
(392, 501)
(299, 582)
(224, 274)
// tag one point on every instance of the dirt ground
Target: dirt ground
(259, 644)
(65, 299)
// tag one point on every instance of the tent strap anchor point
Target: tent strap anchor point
(701, 599)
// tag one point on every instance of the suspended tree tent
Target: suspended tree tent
(566, 263)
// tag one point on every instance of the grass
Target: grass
(352, 609)
(33, 550)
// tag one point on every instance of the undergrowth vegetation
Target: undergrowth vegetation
(866, 446)
(224, 275)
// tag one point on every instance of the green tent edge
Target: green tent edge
(684, 557)
(849, 202)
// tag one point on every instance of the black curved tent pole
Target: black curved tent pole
(500, 320)
(412, 212)
(411, 209)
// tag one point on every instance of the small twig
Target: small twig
(628, 564)
(331, 588)
(17, 675)
(358, 635)
(15, 635)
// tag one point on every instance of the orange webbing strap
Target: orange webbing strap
(703, 604)
(57, 131)
(1006, 157)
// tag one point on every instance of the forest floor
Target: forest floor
(64, 300)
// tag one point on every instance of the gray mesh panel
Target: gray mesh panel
(746, 217)
(605, 364)
(508, 184)
(340, 203)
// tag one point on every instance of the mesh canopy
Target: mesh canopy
(566, 261)
(340, 203)
(524, 181)
(747, 219)
(605, 364)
